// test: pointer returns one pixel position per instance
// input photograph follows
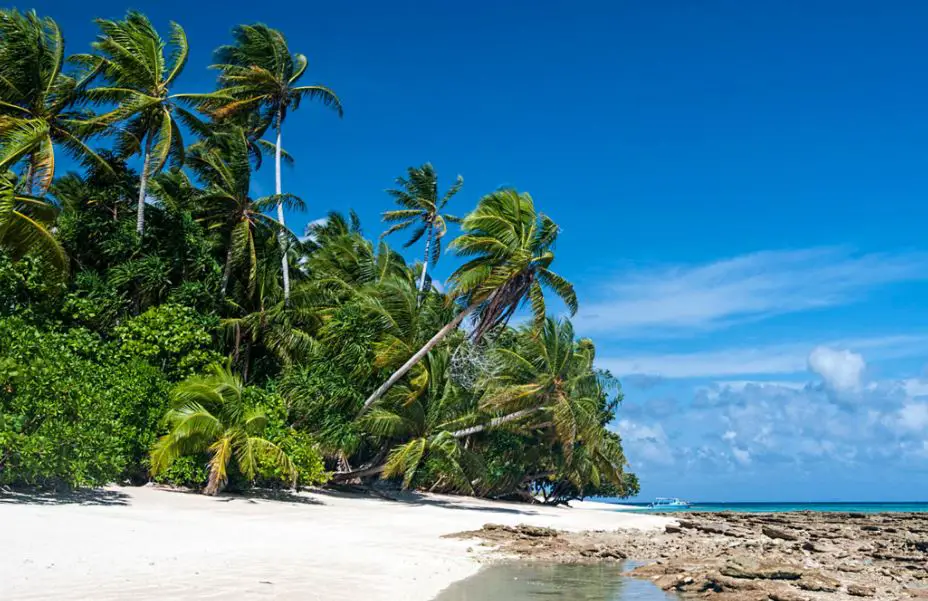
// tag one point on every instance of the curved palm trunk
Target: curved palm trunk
(143, 185)
(359, 473)
(495, 422)
(422, 352)
(284, 263)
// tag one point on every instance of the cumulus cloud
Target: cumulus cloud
(841, 369)
(680, 299)
(915, 387)
(645, 444)
(913, 416)
(772, 428)
(742, 456)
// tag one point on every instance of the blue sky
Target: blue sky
(741, 186)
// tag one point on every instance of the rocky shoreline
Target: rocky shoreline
(802, 556)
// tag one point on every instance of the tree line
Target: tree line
(159, 321)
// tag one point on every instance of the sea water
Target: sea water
(847, 507)
(553, 582)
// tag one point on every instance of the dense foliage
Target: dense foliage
(156, 321)
(73, 411)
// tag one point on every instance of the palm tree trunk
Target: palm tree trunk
(422, 352)
(358, 473)
(143, 185)
(493, 423)
(425, 262)
(227, 271)
(284, 263)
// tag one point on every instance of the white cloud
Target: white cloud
(914, 416)
(774, 359)
(841, 369)
(742, 456)
(314, 222)
(915, 387)
(685, 298)
(644, 443)
(729, 435)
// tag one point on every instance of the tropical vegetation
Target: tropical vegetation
(159, 320)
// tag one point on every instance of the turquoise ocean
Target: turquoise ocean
(766, 507)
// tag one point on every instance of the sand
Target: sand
(145, 543)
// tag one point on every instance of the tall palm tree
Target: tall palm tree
(25, 226)
(39, 102)
(258, 73)
(210, 414)
(140, 75)
(420, 204)
(222, 162)
(510, 246)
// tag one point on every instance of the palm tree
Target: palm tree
(547, 388)
(209, 414)
(549, 377)
(140, 75)
(39, 103)
(510, 249)
(222, 162)
(25, 223)
(258, 73)
(418, 198)
(422, 417)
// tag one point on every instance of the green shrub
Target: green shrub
(305, 455)
(302, 449)
(70, 414)
(189, 471)
(174, 338)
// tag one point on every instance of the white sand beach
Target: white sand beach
(145, 543)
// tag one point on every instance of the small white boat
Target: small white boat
(667, 502)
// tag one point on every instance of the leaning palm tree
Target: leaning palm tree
(140, 75)
(546, 386)
(39, 102)
(420, 205)
(209, 414)
(547, 377)
(222, 163)
(259, 74)
(25, 226)
(510, 249)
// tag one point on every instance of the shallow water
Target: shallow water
(551, 582)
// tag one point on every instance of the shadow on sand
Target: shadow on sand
(420, 500)
(253, 496)
(89, 496)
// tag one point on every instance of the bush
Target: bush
(305, 455)
(70, 414)
(174, 338)
(190, 471)
(300, 447)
